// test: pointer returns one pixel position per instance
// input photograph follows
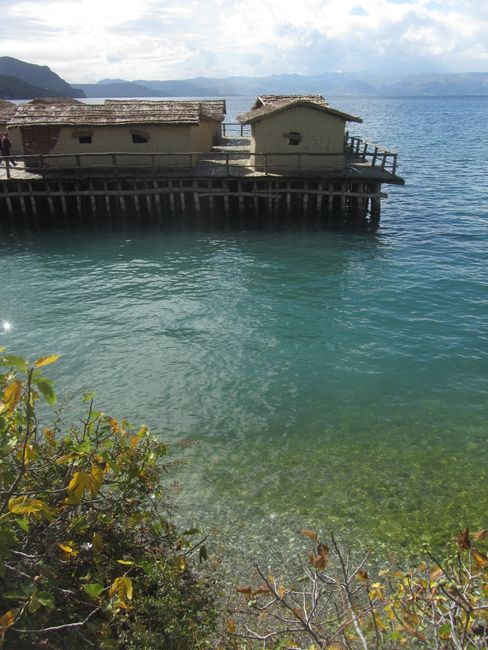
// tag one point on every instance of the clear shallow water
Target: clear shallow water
(334, 380)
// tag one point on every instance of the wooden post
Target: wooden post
(226, 199)
(64, 206)
(22, 204)
(33, 202)
(211, 200)
(157, 198)
(330, 204)
(93, 201)
(171, 196)
(137, 204)
(255, 198)
(196, 197)
(182, 197)
(288, 198)
(50, 204)
(78, 203)
(122, 202)
(240, 200)
(320, 197)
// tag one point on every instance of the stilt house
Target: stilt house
(128, 126)
(303, 125)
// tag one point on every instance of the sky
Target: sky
(88, 40)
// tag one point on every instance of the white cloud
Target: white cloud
(85, 40)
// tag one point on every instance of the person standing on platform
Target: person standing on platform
(6, 145)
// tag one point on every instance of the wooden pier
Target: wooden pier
(220, 189)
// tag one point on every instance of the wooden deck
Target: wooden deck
(222, 184)
(230, 159)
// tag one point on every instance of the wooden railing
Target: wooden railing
(235, 129)
(266, 163)
(374, 154)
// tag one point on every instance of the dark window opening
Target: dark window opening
(139, 139)
(85, 139)
(294, 137)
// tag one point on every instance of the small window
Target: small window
(85, 139)
(139, 139)
(294, 137)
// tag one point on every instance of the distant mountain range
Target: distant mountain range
(21, 80)
(330, 83)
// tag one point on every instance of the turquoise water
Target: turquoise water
(334, 380)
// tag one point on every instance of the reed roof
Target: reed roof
(118, 112)
(270, 104)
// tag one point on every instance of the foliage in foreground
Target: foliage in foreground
(440, 604)
(88, 557)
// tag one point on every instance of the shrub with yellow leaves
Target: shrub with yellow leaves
(88, 556)
(440, 604)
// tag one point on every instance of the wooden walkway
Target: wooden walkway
(173, 188)
(230, 159)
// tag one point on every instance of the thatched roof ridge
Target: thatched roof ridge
(267, 100)
(212, 109)
(55, 100)
(117, 112)
(271, 104)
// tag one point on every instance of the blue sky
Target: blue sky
(87, 40)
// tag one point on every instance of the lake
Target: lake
(333, 380)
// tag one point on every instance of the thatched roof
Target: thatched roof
(270, 104)
(114, 112)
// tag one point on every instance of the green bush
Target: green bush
(88, 556)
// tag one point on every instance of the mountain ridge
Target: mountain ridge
(364, 84)
(22, 80)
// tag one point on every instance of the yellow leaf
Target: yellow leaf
(12, 394)
(26, 505)
(96, 479)
(70, 551)
(7, 619)
(122, 587)
(46, 361)
(125, 562)
(181, 563)
(80, 482)
(231, 626)
(480, 558)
